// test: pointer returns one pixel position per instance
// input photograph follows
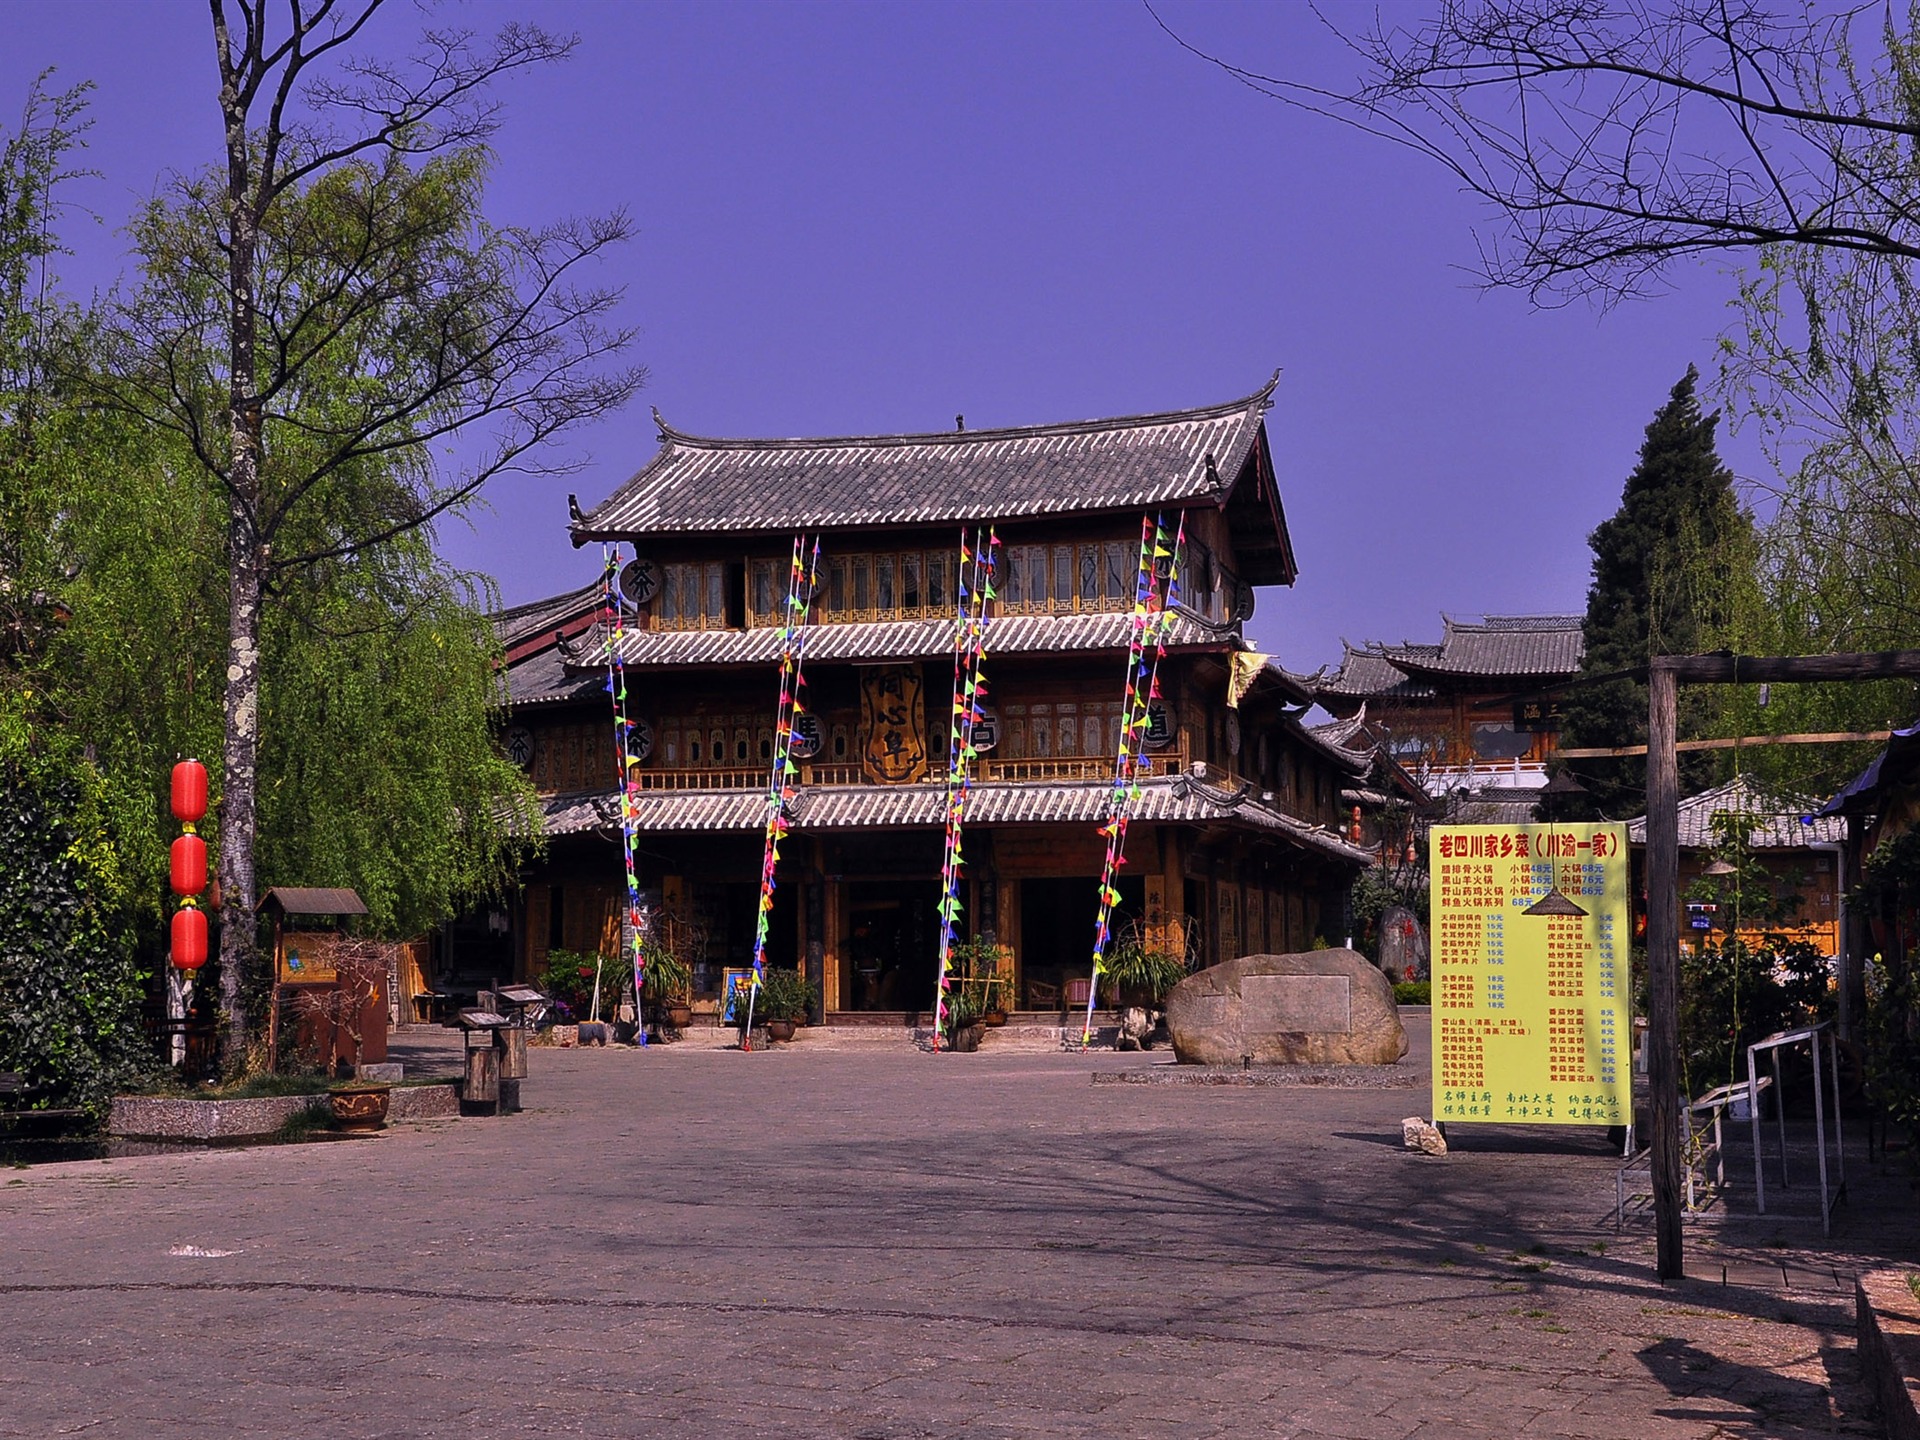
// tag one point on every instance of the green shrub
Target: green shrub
(785, 996)
(1413, 992)
(70, 982)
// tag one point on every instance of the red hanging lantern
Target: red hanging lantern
(189, 791)
(189, 938)
(187, 865)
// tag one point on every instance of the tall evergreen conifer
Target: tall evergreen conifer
(1666, 569)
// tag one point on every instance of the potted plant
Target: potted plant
(1139, 972)
(785, 1000)
(984, 970)
(668, 984)
(964, 1023)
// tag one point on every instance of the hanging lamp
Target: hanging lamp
(1554, 902)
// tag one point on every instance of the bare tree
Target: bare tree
(324, 314)
(1612, 137)
(335, 1014)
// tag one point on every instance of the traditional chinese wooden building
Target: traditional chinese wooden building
(1475, 710)
(1238, 833)
(1800, 852)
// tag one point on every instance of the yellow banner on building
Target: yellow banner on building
(1531, 1013)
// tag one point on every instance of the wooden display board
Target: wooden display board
(1531, 1013)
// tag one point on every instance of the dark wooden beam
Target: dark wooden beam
(1787, 669)
(1663, 963)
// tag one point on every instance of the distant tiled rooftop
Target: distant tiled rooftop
(519, 623)
(1776, 818)
(1519, 647)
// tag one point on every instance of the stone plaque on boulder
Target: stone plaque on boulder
(1323, 1007)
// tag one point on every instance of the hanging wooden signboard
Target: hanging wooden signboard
(893, 742)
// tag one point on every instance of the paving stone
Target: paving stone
(809, 1242)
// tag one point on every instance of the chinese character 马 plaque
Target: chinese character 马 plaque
(1531, 1018)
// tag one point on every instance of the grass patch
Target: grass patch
(1413, 992)
(302, 1123)
(1913, 1284)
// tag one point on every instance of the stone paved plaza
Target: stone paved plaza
(691, 1242)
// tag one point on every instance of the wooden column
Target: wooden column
(1663, 963)
(833, 937)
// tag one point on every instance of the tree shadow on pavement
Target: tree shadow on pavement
(1729, 1393)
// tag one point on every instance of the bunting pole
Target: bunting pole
(783, 774)
(1156, 591)
(626, 762)
(971, 612)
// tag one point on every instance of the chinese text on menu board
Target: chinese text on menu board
(1530, 1012)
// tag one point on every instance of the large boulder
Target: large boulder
(1326, 1007)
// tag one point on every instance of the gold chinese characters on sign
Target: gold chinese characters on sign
(1531, 1023)
(893, 742)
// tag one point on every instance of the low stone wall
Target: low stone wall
(162, 1117)
(1889, 1335)
(423, 1102)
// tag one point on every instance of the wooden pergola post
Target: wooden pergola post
(1663, 962)
(1664, 676)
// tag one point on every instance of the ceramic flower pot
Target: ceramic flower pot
(360, 1108)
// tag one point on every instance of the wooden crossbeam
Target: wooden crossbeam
(1836, 737)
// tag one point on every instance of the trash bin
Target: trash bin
(481, 1090)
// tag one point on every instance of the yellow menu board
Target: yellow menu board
(1531, 1023)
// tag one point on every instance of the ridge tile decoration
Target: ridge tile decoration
(1531, 1016)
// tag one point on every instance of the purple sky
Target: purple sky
(870, 217)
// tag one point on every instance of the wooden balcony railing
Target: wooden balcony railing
(1171, 761)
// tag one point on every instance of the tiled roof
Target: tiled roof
(1539, 647)
(1369, 672)
(1775, 818)
(546, 677)
(313, 900)
(699, 485)
(1875, 787)
(540, 617)
(911, 639)
(1348, 734)
(866, 807)
(1494, 806)
(1542, 645)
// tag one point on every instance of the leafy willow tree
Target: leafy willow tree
(70, 983)
(318, 320)
(1671, 569)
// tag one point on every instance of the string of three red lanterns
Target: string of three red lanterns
(187, 866)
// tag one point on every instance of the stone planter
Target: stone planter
(160, 1117)
(965, 1039)
(781, 1030)
(361, 1107)
(679, 1015)
(423, 1102)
